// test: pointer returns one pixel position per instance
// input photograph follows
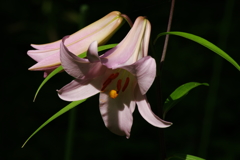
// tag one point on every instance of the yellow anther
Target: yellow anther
(113, 94)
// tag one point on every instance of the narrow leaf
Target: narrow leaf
(177, 95)
(184, 157)
(60, 68)
(53, 73)
(59, 113)
(203, 42)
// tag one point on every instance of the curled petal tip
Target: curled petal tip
(65, 37)
(127, 19)
(92, 53)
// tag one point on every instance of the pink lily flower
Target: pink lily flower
(122, 76)
(48, 56)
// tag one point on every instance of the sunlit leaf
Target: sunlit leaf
(184, 157)
(60, 68)
(59, 113)
(203, 42)
(177, 95)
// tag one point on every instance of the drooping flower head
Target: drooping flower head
(47, 55)
(122, 76)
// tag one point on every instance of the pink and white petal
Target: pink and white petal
(39, 55)
(126, 52)
(116, 115)
(128, 95)
(145, 72)
(73, 65)
(78, 67)
(80, 89)
(52, 45)
(92, 53)
(46, 69)
(146, 112)
(84, 32)
(146, 38)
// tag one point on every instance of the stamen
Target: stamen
(125, 84)
(119, 85)
(113, 94)
(109, 80)
(113, 76)
(106, 84)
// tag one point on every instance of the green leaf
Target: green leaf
(59, 113)
(60, 68)
(53, 73)
(177, 95)
(184, 157)
(203, 42)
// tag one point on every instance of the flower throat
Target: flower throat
(114, 92)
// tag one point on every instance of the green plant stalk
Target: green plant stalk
(70, 133)
(162, 152)
(73, 112)
(211, 101)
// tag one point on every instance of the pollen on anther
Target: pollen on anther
(125, 84)
(109, 80)
(113, 76)
(113, 94)
(119, 85)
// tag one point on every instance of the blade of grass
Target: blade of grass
(203, 42)
(178, 94)
(59, 113)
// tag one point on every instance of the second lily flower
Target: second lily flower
(47, 55)
(122, 76)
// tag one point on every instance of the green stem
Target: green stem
(73, 112)
(211, 101)
(158, 80)
(70, 133)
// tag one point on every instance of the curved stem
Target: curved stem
(158, 80)
(167, 36)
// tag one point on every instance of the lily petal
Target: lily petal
(92, 53)
(117, 112)
(78, 90)
(116, 115)
(146, 112)
(79, 67)
(146, 38)
(145, 72)
(127, 51)
(81, 34)
(38, 56)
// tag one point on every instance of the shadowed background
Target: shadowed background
(209, 131)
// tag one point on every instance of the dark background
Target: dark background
(202, 126)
